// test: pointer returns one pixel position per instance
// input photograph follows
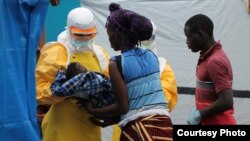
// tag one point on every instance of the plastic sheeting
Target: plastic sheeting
(232, 28)
(231, 22)
(20, 28)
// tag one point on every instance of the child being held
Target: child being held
(84, 85)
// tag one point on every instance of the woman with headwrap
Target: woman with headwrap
(167, 76)
(135, 78)
(64, 120)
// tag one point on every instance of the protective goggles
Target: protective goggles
(83, 33)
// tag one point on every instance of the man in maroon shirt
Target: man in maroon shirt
(214, 77)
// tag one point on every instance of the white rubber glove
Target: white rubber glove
(194, 117)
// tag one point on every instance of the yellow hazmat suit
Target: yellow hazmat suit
(65, 121)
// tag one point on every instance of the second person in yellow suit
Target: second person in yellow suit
(168, 80)
(65, 121)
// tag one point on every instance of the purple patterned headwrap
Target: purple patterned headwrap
(132, 25)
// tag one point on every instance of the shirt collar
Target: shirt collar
(204, 55)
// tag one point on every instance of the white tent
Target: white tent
(231, 27)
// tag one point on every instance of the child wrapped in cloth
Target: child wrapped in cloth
(84, 85)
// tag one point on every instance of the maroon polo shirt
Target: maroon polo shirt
(213, 74)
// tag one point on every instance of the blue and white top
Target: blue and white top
(140, 69)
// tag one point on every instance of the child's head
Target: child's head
(73, 69)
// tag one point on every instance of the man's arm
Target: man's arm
(224, 103)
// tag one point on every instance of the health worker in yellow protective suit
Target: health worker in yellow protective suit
(65, 121)
(168, 80)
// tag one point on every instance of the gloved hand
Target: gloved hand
(194, 117)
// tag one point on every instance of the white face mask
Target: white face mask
(81, 44)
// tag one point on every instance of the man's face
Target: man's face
(194, 40)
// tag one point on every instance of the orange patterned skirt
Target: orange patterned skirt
(150, 128)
